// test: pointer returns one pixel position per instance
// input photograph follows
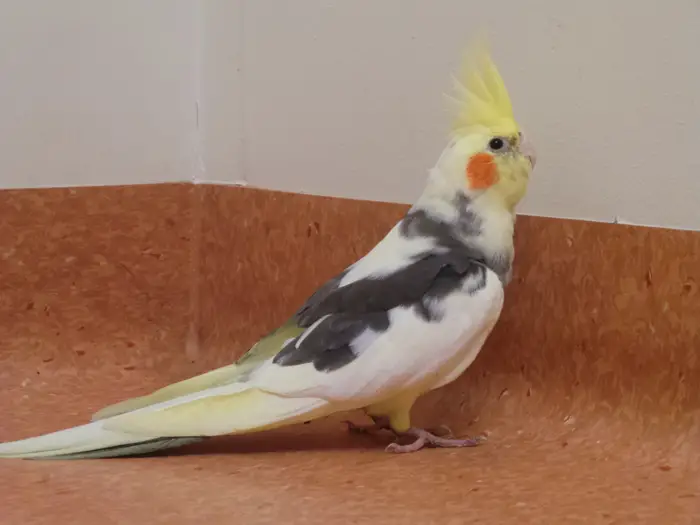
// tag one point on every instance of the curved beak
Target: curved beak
(528, 149)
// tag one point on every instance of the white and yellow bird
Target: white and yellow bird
(407, 318)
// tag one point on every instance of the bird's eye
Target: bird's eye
(496, 144)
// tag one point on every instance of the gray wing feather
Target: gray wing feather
(382, 293)
(342, 314)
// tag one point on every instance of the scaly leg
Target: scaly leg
(394, 415)
(380, 423)
(425, 438)
(383, 423)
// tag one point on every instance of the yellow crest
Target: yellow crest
(482, 98)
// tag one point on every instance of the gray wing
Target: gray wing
(382, 293)
(337, 316)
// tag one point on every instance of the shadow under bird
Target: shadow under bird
(408, 317)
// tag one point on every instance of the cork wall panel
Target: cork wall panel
(95, 289)
(599, 338)
(598, 343)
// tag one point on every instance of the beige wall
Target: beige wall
(221, 110)
(344, 97)
(97, 91)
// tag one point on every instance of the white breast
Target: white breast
(418, 355)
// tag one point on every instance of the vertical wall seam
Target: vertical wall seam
(242, 167)
(192, 343)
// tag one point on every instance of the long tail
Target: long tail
(231, 409)
(90, 441)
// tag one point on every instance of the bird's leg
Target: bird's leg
(425, 438)
(380, 423)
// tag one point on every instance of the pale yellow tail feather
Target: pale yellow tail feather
(247, 411)
(264, 349)
(171, 424)
(92, 436)
(211, 379)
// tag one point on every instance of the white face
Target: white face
(454, 159)
(510, 161)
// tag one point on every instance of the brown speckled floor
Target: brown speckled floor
(587, 389)
(325, 477)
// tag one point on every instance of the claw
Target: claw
(443, 431)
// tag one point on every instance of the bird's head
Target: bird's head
(489, 153)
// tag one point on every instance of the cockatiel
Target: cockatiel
(408, 317)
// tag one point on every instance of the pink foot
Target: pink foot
(425, 438)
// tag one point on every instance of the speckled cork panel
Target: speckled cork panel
(587, 388)
(95, 292)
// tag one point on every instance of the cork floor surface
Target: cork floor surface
(531, 470)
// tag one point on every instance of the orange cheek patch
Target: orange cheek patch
(481, 171)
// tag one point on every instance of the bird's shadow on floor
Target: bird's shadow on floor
(302, 438)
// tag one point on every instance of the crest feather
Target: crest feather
(483, 103)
